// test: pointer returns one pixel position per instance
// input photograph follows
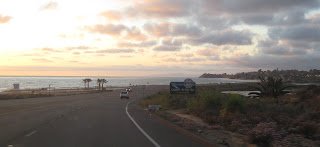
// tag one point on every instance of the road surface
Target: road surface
(98, 119)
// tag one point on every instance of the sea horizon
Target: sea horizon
(34, 82)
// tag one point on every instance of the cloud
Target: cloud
(111, 15)
(140, 44)
(185, 55)
(4, 19)
(125, 56)
(226, 37)
(296, 33)
(166, 48)
(76, 53)
(257, 6)
(315, 18)
(47, 49)
(115, 51)
(282, 50)
(192, 59)
(207, 52)
(161, 8)
(50, 6)
(107, 29)
(305, 62)
(79, 48)
(41, 60)
(172, 29)
(74, 36)
(135, 34)
(170, 60)
(172, 42)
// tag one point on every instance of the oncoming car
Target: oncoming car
(124, 94)
(128, 89)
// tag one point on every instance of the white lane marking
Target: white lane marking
(143, 132)
(31, 133)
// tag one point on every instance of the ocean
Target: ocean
(6, 82)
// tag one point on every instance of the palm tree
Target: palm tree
(103, 81)
(99, 83)
(271, 87)
(85, 82)
(88, 81)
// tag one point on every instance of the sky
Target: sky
(157, 37)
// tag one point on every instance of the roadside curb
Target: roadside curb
(189, 134)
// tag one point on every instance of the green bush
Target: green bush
(204, 100)
(159, 99)
(197, 105)
(234, 103)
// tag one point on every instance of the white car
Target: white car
(124, 94)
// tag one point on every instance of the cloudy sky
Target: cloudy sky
(157, 37)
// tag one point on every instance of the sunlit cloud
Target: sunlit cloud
(156, 36)
(41, 60)
(4, 19)
(111, 15)
(49, 6)
(108, 29)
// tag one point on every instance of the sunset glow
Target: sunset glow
(157, 37)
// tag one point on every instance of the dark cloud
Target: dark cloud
(115, 51)
(172, 42)
(107, 29)
(282, 50)
(297, 33)
(135, 34)
(166, 48)
(50, 6)
(304, 62)
(4, 19)
(213, 22)
(257, 6)
(140, 44)
(226, 37)
(172, 29)
(256, 19)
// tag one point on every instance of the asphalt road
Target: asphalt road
(85, 120)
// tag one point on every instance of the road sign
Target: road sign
(143, 88)
(188, 83)
(181, 87)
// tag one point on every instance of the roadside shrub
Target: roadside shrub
(309, 129)
(294, 140)
(204, 100)
(177, 101)
(262, 133)
(156, 100)
(197, 105)
(234, 103)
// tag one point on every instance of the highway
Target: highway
(99, 119)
